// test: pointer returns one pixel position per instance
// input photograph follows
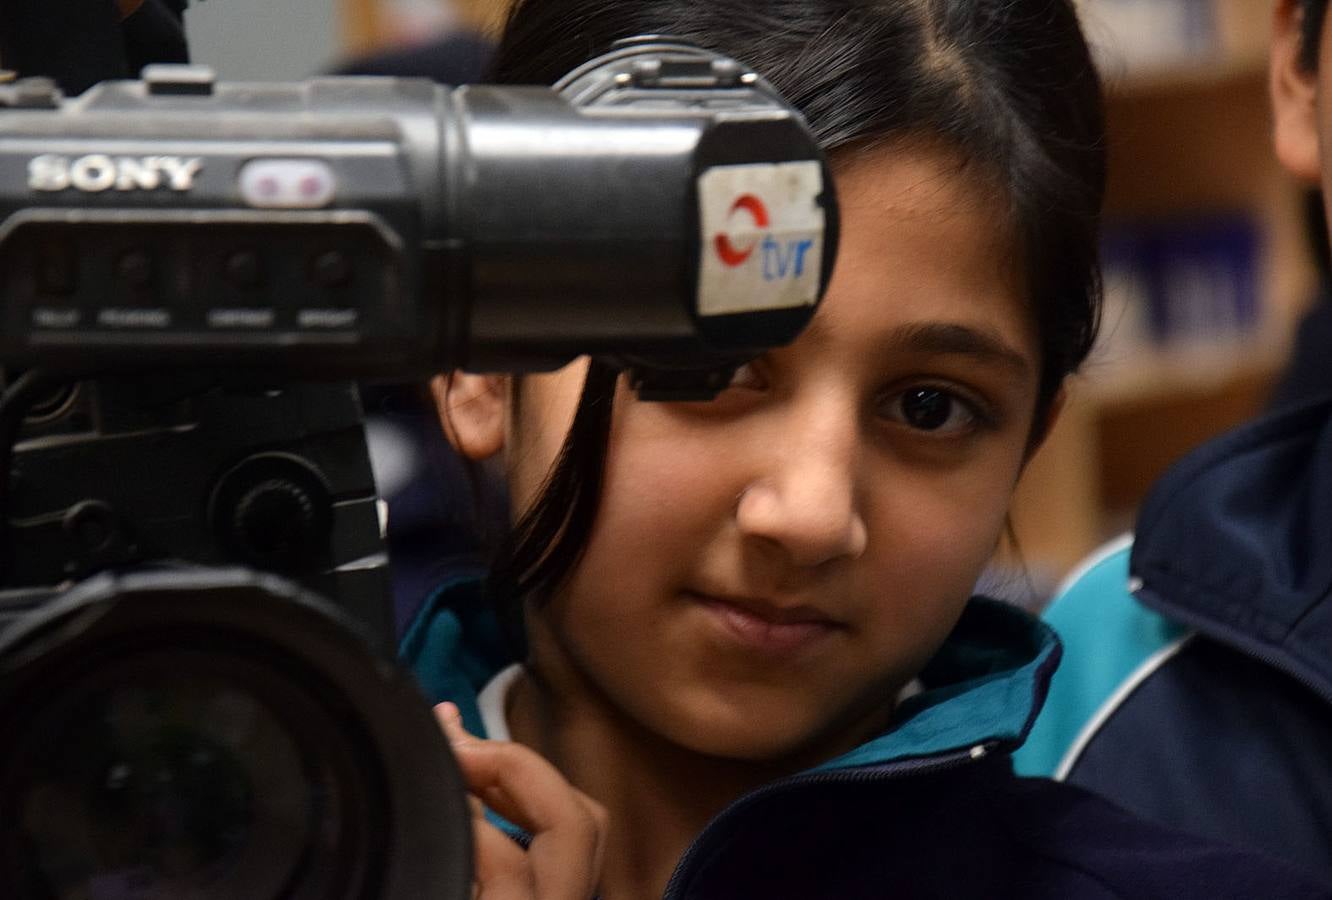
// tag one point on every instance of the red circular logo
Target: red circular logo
(730, 254)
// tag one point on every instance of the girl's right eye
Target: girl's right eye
(936, 411)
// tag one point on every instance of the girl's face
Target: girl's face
(767, 570)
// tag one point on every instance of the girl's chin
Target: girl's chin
(785, 727)
(765, 740)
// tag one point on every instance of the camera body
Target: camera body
(121, 472)
(195, 625)
(392, 228)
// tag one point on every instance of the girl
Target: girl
(751, 664)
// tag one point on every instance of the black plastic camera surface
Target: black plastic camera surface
(197, 688)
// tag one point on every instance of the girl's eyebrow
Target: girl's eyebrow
(954, 338)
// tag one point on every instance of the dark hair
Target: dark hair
(1009, 84)
(1311, 31)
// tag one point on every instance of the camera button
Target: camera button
(135, 267)
(243, 269)
(175, 78)
(57, 269)
(331, 269)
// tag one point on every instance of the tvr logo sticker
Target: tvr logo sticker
(781, 259)
(762, 230)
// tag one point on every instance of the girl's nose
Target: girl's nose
(807, 503)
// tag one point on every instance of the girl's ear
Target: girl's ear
(1294, 89)
(471, 409)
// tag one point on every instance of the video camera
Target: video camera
(197, 692)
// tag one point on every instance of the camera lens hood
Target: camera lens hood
(218, 733)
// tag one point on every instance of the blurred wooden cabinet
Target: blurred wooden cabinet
(370, 24)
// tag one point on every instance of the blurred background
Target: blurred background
(1210, 263)
(1210, 266)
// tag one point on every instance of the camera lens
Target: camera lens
(144, 783)
(210, 734)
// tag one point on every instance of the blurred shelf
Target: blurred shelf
(1185, 141)
(1204, 75)
(371, 25)
(1179, 45)
(1120, 430)
(1150, 376)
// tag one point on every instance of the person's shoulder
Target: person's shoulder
(1110, 642)
(1082, 837)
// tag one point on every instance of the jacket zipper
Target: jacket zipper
(1276, 662)
(676, 885)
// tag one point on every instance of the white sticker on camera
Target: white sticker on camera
(762, 229)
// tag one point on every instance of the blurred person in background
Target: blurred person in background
(1197, 683)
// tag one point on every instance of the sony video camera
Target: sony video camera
(197, 689)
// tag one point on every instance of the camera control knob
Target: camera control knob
(275, 519)
(273, 511)
(93, 526)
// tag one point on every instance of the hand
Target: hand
(568, 828)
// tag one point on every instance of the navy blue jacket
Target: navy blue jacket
(1197, 684)
(929, 809)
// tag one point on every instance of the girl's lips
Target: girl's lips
(765, 627)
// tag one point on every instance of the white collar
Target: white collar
(492, 702)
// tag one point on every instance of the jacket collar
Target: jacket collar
(1236, 542)
(982, 689)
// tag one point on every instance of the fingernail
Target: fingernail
(451, 721)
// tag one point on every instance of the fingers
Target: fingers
(501, 869)
(568, 828)
(500, 866)
(450, 722)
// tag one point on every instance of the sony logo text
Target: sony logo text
(98, 172)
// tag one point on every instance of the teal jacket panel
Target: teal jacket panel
(1109, 639)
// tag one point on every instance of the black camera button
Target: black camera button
(93, 525)
(331, 269)
(57, 269)
(243, 269)
(135, 267)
